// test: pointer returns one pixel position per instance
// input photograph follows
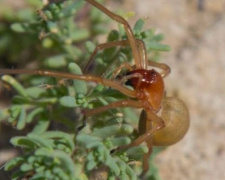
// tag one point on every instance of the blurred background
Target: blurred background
(195, 30)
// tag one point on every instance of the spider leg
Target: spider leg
(104, 46)
(113, 105)
(122, 66)
(142, 49)
(88, 78)
(146, 160)
(165, 68)
(113, 44)
(148, 133)
(127, 77)
(130, 36)
(144, 125)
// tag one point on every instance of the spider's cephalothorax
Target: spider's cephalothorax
(149, 84)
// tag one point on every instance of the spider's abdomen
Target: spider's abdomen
(177, 121)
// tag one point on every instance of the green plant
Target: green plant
(60, 151)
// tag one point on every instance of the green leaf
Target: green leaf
(44, 152)
(71, 7)
(121, 165)
(17, 99)
(93, 144)
(127, 172)
(57, 61)
(59, 134)
(26, 167)
(15, 110)
(79, 34)
(120, 141)
(58, 172)
(14, 162)
(112, 130)
(48, 15)
(33, 113)
(16, 175)
(39, 141)
(90, 46)
(35, 92)
(88, 141)
(91, 165)
(68, 101)
(79, 86)
(42, 125)
(15, 84)
(113, 36)
(157, 47)
(158, 37)
(23, 142)
(137, 151)
(38, 176)
(109, 161)
(21, 119)
(74, 52)
(47, 43)
(130, 173)
(18, 27)
(149, 34)
(66, 162)
(139, 25)
(52, 27)
(47, 101)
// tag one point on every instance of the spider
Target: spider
(163, 120)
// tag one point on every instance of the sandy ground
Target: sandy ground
(197, 59)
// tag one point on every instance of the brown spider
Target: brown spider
(164, 120)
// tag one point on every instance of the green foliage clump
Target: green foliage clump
(54, 148)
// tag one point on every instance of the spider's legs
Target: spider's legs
(146, 160)
(88, 78)
(124, 65)
(135, 75)
(148, 133)
(165, 68)
(104, 46)
(118, 104)
(130, 36)
(113, 105)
